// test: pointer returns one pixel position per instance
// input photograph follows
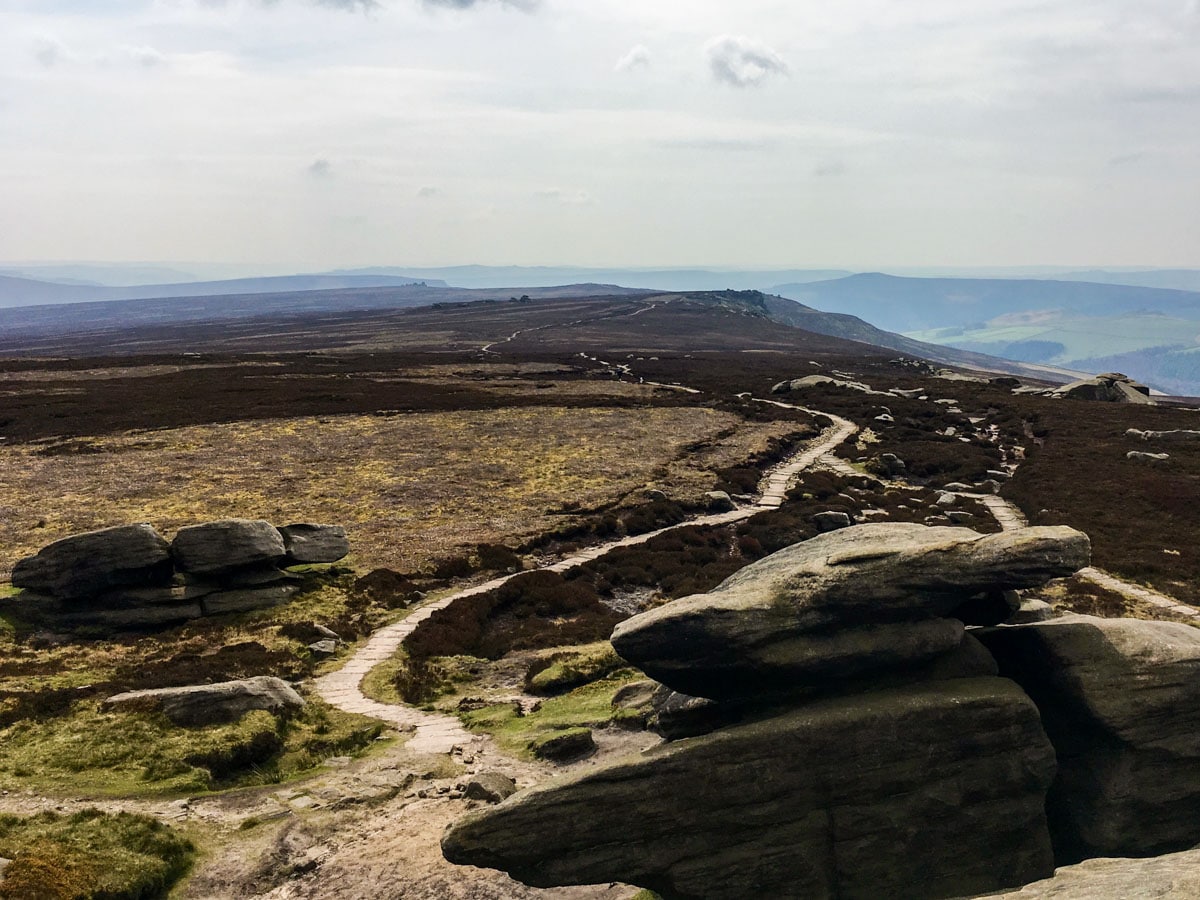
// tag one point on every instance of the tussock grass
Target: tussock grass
(90, 854)
(129, 754)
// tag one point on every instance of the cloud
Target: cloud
(320, 168)
(741, 61)
(144, 56)
(830, 169)
(566, 198)
(526, 5)
(50, 51)
(637, 58)
(351, 5)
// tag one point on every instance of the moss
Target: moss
(561, 670)
(91, 854)
(589, 706)
(126, 754)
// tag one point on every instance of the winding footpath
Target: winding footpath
(437, 733)
(1011, 518)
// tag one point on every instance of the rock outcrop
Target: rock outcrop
(129, 577)
(227, 545)
(850, 797)
(845, 604)
(309, 543)
(1112, 387)
(211, 704)
(83, 565)
(1120, 699)
(844, 737)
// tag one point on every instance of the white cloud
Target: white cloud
(637, 58)
(742, 61)
(565, 198)
(50, 51)
(320, 168)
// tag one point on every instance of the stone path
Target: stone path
(1011, 518)
(437, 733)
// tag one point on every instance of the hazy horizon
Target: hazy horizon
(321, 134)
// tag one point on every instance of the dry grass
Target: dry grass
(407, 487)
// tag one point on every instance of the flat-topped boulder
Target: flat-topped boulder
(84, 565)
(309, 543)
(216, 548)
(843, 604)
(1121, 702)
(209, 704)
(874, 795)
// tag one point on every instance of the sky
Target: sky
(312, 134)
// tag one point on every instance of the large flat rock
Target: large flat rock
(1121, 703)
(216, 548)
(85, 565)
(933, 790)
(846, 603)
(310, 543)
(208, 704)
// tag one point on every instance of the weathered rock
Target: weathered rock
(217, 548)
(1176, 436)
(209, 704)
(564, 746)
(324, 648)
(1120, 699)
(1112, 387)
(1154, 459)
(718, 501)
(307, 543)
(892, 465)
(808, 381)
(120, 618)
(674, 715)
(84, 565)
(842, 604)
(655, 495)
(959, 516)
(248, 599)
(490, 787)
(832, 520)
(871, 796)
(1175, 876)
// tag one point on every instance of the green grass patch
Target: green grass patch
(128, 754)
(558, 671)
(90, 854)
(589, 706)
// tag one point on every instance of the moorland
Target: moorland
(460, 443)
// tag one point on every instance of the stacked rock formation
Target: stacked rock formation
(129, 576)
(1120, 699)
(1112, 387)
(878, 753)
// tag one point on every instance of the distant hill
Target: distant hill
(49, 328)
(32, 292)
(1178, 279)
(919, 304)
(663, 279)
